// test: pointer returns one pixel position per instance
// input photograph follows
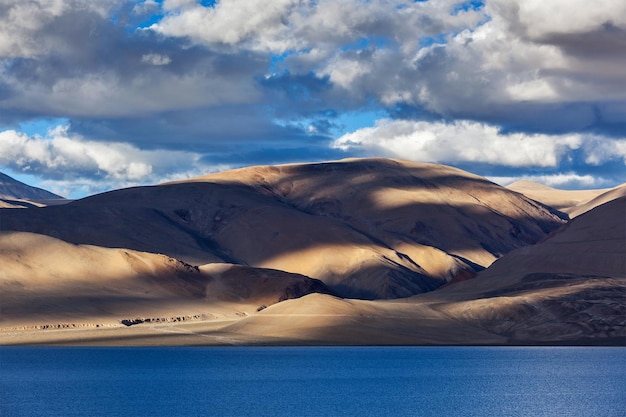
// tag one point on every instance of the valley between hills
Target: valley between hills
(350, 252)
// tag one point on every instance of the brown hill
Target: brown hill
(369, 228)
(571, 202)
(406, 204)
(6, 203)
(568, 289)
(610, 195)
(45, 282)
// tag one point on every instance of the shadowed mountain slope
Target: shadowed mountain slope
(406, 205)
(569, 289)
(45, 281)
(12, 189)
(370, 228)
(6, 203)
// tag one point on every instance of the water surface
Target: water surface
(313, 381)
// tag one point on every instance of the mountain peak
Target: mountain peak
(11, 188)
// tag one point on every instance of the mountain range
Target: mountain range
(357, 251)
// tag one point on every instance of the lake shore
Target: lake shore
(219, 333)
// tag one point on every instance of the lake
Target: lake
(313, 381)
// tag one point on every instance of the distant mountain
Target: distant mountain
(367, 228)
(571, 202)
(610, 195)
(12, 189)
(11, 203)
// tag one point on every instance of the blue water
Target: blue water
(313, 381)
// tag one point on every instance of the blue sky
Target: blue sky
(102, 95)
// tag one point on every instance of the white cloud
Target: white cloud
(71, 159)
(493, 64)
(543, 66)
(485, 64)
(343, 72)
(599, 150)
(70, 58)
(538, 19)
(146, 7)
(530, 52)
(20, 22)
(228, 22)
(461, 141)
(526, 50)
(156, 59)
(564, 181)
(327, 25)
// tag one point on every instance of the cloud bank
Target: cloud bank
(466, 143)
(503, 88)
(67, 159)
(460, 141)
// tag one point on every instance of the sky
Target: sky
(105, 94)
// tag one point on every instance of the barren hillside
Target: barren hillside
(368, 228)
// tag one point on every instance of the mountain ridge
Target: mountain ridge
(12, 189)
(570, 202)
(365, 251)
(368, 228)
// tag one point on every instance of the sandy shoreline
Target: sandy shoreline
(165, 334)
(210, 334)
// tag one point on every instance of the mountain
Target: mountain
(571, 202)
(45, 282)
(400, 202)
(568, 289)
(11, 189)
(368, 251)
(609, 195)
(18, 204)
(368, 228)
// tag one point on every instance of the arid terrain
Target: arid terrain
(358, 251)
